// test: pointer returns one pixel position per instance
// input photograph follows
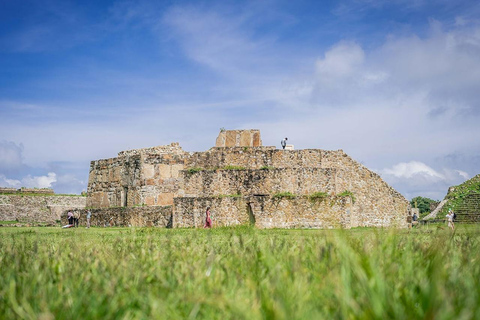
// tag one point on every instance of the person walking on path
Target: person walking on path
(450, 220)
(76, 218)
(284, 143)
(208, 220)
(70, 217)
(89, 216)
(414, 220)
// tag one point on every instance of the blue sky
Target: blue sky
(395, 84)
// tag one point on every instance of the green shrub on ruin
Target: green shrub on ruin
(347, 193)
(318, 196)
(284, 195)
(194, 170)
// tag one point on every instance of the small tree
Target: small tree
(423, 204)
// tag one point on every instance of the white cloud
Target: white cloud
(39, 181)
(29, 181)
(416, 178)
(410, 169)
(342, 60)
(10, 183)
(11, 163)
(463, 174)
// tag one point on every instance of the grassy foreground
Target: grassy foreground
(239, 273)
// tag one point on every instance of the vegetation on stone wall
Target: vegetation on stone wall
(347, 193)
(234, 168)
(281, 195)
(239, 273)
(318, 196)
(194, 170)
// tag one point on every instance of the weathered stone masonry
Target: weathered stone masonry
(151, 216)
(37, 208)
(241, 180)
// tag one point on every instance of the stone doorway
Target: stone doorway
(251, 216)
(125, 200)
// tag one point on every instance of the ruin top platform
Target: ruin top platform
(239, 138)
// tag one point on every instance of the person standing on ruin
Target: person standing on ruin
(89, 216)
(208, 220)
(76, 218)
(284, 143)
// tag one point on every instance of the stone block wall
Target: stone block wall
(26, 191)
(39, 208)
(300, 181)
(37, 191)
(190, 212)
(8, 190)
(151, 216)
(300, 172)
(264, 212)
(239, 138)
(376, 203)
(171, 149)
(136, 177)
(256, 158)
(112, 182)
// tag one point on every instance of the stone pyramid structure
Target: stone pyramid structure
(243, 182)
(463, 199)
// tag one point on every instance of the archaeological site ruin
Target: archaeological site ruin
(36, 206)
(244, 183)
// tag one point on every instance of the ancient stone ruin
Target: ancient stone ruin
(244, 183)
(36, 205)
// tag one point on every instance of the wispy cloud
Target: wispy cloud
(412, 168)
(10, 156)
(160, 73)
(40, 181)
(415, 177)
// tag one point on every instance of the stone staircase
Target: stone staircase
(434, 213)
(469, 210)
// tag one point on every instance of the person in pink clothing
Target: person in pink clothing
(70, 217)
(208, 220)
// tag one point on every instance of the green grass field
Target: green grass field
(239, 273)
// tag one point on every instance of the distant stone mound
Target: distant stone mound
(464, 200)
(45, 191)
